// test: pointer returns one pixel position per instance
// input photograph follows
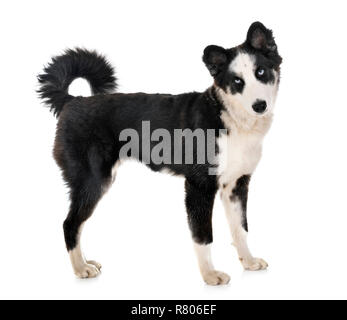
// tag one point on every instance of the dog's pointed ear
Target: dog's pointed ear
(261, 38)
(215, 59)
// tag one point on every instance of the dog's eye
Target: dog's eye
(238, 80)
(260, 72)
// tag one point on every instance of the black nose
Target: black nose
(259, 106)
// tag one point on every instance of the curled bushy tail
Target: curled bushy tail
(78, 63)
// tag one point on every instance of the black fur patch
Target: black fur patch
(216, 59)
(240, 193)
(199, 204)
(73, 64)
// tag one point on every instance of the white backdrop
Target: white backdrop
(297, 207)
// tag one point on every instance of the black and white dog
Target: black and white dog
(238, 106)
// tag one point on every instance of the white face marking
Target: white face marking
(254, 90)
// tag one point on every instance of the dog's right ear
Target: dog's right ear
(215, 59)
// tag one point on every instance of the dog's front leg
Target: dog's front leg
(199, 204)
(235, 203)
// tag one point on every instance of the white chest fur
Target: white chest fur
(239, 152)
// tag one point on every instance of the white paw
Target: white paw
(94, 263)
(216, 278)
(254, 264)
(87, 270)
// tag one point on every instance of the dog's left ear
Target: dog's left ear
(261, 38)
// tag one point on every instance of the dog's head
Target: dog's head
(247, 76)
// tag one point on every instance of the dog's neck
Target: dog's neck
(239, 119)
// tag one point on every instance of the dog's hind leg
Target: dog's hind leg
(199, 204)
(235, 204)
(87, 185)
(83, 202)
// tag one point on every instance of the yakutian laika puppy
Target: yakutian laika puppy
(87, 145)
